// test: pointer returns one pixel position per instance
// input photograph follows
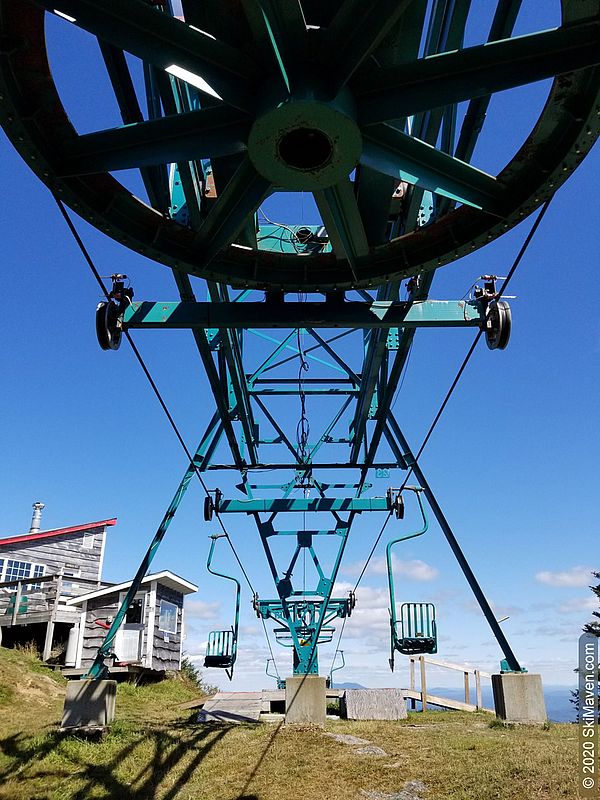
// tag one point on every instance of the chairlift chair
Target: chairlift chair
(221, 649)
(415, 632)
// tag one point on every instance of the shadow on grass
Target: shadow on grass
(26, 755)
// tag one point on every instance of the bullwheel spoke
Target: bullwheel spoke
(395, 153)
(356, 30)
(210, 132)
(279, 27)
(166, 42)
(341, 217)
(448, 78)
(242, 195)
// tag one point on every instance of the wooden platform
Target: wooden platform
(239, 707)
(232, 707)
(443, 702)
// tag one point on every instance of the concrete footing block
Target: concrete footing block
(89, 704)
(305, 700)
(519, 697)
(374, 704)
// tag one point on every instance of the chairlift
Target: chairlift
(334, 668)
(221, 649)
(280, 681)
(415, 631)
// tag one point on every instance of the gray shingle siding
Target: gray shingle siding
(165, 654)
(56, 552)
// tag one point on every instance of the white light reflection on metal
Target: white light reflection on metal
(64, 16)
(192, 79)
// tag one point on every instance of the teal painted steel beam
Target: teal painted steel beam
(456, 549)
(391, 385)
(184, 286)
(193, 135)
(238, 201)
(287, 35)
(129, 107)
(501, 28)
(304, 468)
(479, 71)
(408, 159)
(378, 314)
(357, 28)
(99, 669)
(294, 348)
(175, 99)
(374, 358)
(301, 504)
(159, 39)
(445, 33)
(231, 351)
(341, 216)
(314, 390)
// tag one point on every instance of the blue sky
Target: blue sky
(513, 462)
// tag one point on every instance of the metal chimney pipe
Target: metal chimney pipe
(37, 517)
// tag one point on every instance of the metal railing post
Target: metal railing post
(18, 594)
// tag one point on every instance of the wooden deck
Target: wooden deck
(31, 601)
(254, 706)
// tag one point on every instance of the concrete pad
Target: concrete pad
(374, 704)
(232, 707)
(305, 700)
(89, 704)
(519, 697)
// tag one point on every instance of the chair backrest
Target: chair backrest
(220, 643)
(417, 620)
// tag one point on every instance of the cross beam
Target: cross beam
(376, 314)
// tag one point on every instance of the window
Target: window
(14, 570)
(88, 541)
(68, 586)
(135, 612)
(167, 617)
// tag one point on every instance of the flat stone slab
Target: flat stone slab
(374, 704)
(232, 707)
(412, 790)
(370, 750)
(345, 738)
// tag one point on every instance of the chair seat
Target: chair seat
(224, 662)
(416, 646)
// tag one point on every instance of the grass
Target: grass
(155, 752)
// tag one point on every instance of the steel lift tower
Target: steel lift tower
(373, 106)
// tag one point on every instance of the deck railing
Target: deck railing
(425, 698)
(25, 597)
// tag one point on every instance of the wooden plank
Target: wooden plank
(48, 640)
(478, 689)
(444, 702)
(231, 707)
(460, 668)
(423, 683)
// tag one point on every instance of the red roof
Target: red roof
(32, 537)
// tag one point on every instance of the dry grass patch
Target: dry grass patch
(155, 752)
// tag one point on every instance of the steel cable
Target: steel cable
(450, 391)
(158, 395)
